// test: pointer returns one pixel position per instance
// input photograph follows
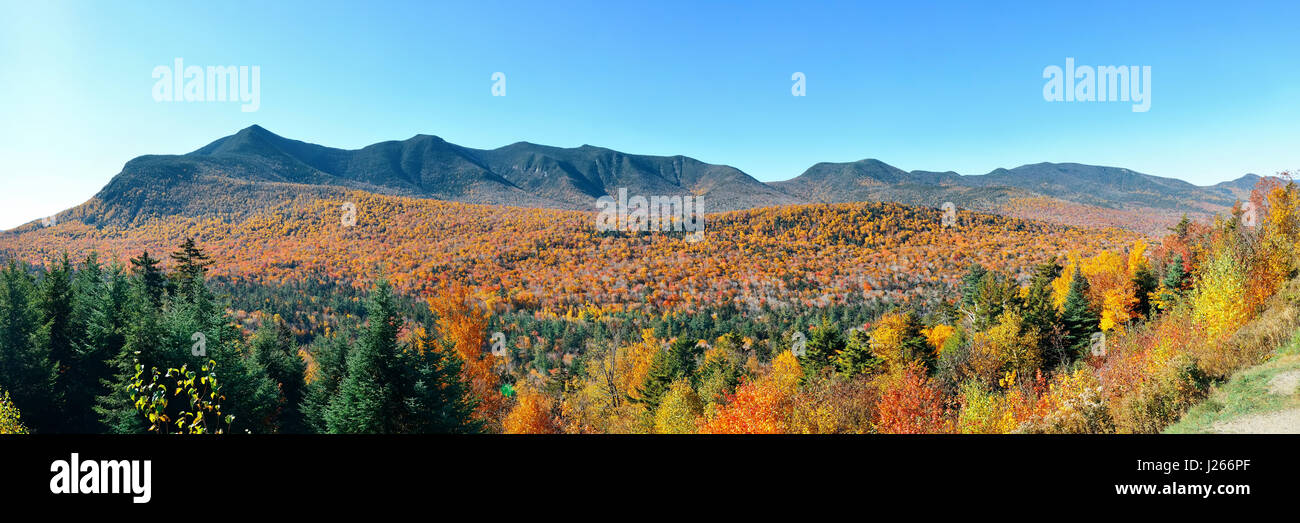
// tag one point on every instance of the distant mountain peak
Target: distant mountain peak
(256, 163)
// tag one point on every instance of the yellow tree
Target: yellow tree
(1276, 255)
(937, 335)
(1004, 348)
(1217, 300)
(9, 417)
(604, 401)
(679, 409)
(1110, 288)
(530, 415)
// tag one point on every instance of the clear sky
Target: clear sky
(920, 85)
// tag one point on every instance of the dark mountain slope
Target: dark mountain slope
(255, 168)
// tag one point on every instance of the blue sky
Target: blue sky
(920, 85)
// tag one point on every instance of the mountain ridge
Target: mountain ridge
(265, 167)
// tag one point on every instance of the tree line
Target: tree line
(89, 348)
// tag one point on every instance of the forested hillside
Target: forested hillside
(417, 315)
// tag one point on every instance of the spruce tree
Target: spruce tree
(1039, 311)
(1175, 276)
(657, 380)
(26, 370)
(913, 345)
(368, 401)
(95, 320)
(273, 349)
(252, 397)
(825, 342)
(438, 400)
(143, 337)
(1038, 308)
(57, 333)
(995, 293)
(970, 282)
(329, 352)
(1078, 317)
(1145, 283)
(190, 275)
(151, 277)
(857, 357)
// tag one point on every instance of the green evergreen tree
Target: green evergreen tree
(369, 400)
(657, 380)
(98, 304)
(252, 397)
(273, 350)
(1037, 307)
(857, 357)
(1180, 230)
(1175, 276)
(438, 400)
(26, 369)
(151, 277)
(56, 335)
(1078, 316)
(330, 352)
(142, 341)
(826, 341)
(1145, 283)
(914, 346)
(970, 283)
(995, 293)
(190, 275)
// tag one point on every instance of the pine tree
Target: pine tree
(970, 282)
(97, 315)
(857, 357)
(25, 365)
(56, 334)
(826, 342)
(151, 277)
(1038, 308)
(1180, 230)
(913, 345)
(368, 401)
(1145, 283)
(329, 352)
(143, 337)
(273, 349)
(994, 294)
(1038, 312)
(252, 397)
(1175, 276)
(438, 399)
(1078, 317)
(191, 272)
(657, 380)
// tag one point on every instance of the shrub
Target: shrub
(1163, 398)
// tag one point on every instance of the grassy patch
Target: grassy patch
(1247, 392)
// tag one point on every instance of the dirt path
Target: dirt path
(1285, 384)
(1280, 422)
